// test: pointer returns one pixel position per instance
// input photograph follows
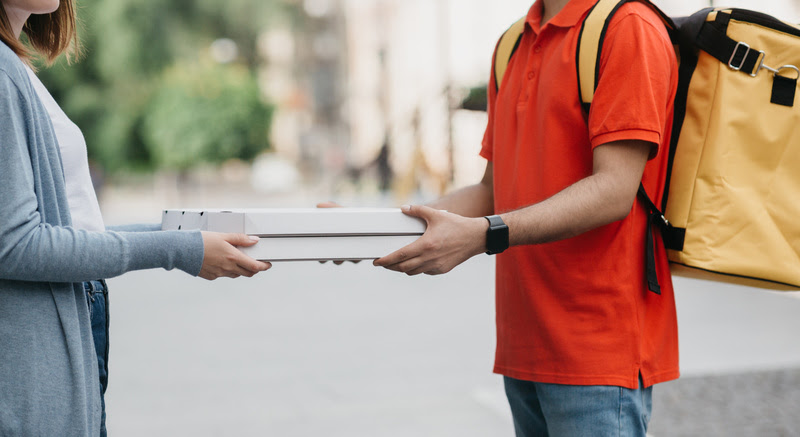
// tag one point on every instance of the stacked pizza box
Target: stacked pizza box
(305, 234)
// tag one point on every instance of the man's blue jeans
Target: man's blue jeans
(577, 410)
(97, 297)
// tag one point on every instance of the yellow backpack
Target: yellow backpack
(733, 203)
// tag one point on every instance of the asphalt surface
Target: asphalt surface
(308, 350)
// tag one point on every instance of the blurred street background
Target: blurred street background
(281, 103)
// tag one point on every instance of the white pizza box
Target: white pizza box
(296, 221)
(186, 219)
(322, 248)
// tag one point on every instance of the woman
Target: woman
(48, 365)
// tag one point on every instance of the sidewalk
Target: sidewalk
(740, 360)
(743, 405)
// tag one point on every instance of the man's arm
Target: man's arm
(472, 201)
(602, 198)
(605, 196)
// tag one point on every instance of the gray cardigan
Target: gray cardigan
(48, 369)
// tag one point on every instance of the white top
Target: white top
(83, 206)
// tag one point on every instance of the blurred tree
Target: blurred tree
(133, 51)
(475, 99)
(226, 118)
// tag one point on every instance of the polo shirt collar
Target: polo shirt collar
(571, 15)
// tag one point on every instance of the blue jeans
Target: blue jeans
(97, 298)
(577, 410)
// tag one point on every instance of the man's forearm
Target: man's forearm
(604, 197)
(472, 201)
(460, 234)
(580, 207)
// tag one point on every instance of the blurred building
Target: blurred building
(367, 87)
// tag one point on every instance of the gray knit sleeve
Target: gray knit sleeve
(31, 249)
(137, 227)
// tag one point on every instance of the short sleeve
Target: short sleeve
(637, 80)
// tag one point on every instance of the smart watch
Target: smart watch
(496, 235)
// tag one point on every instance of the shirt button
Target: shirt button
(531, 75)
(537, 49)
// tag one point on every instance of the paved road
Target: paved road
(311, 350)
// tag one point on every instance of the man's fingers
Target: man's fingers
(406, 264)
(424, 267)
(328, 204)
(397, 257)
(424, 212)
(413, 267)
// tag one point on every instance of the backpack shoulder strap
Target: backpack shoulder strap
(590, 43)
(587, 58)
(506, 47)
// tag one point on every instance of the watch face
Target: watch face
(496, 236)
(502, 239)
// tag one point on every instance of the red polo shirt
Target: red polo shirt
(578, 311)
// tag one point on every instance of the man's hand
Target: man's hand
(221, 258)
(449, 241)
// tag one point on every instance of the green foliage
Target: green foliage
(205, 113)
(475, 99)
(128, 81)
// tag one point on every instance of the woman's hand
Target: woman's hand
(221, 258)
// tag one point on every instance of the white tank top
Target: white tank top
(83, 205)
